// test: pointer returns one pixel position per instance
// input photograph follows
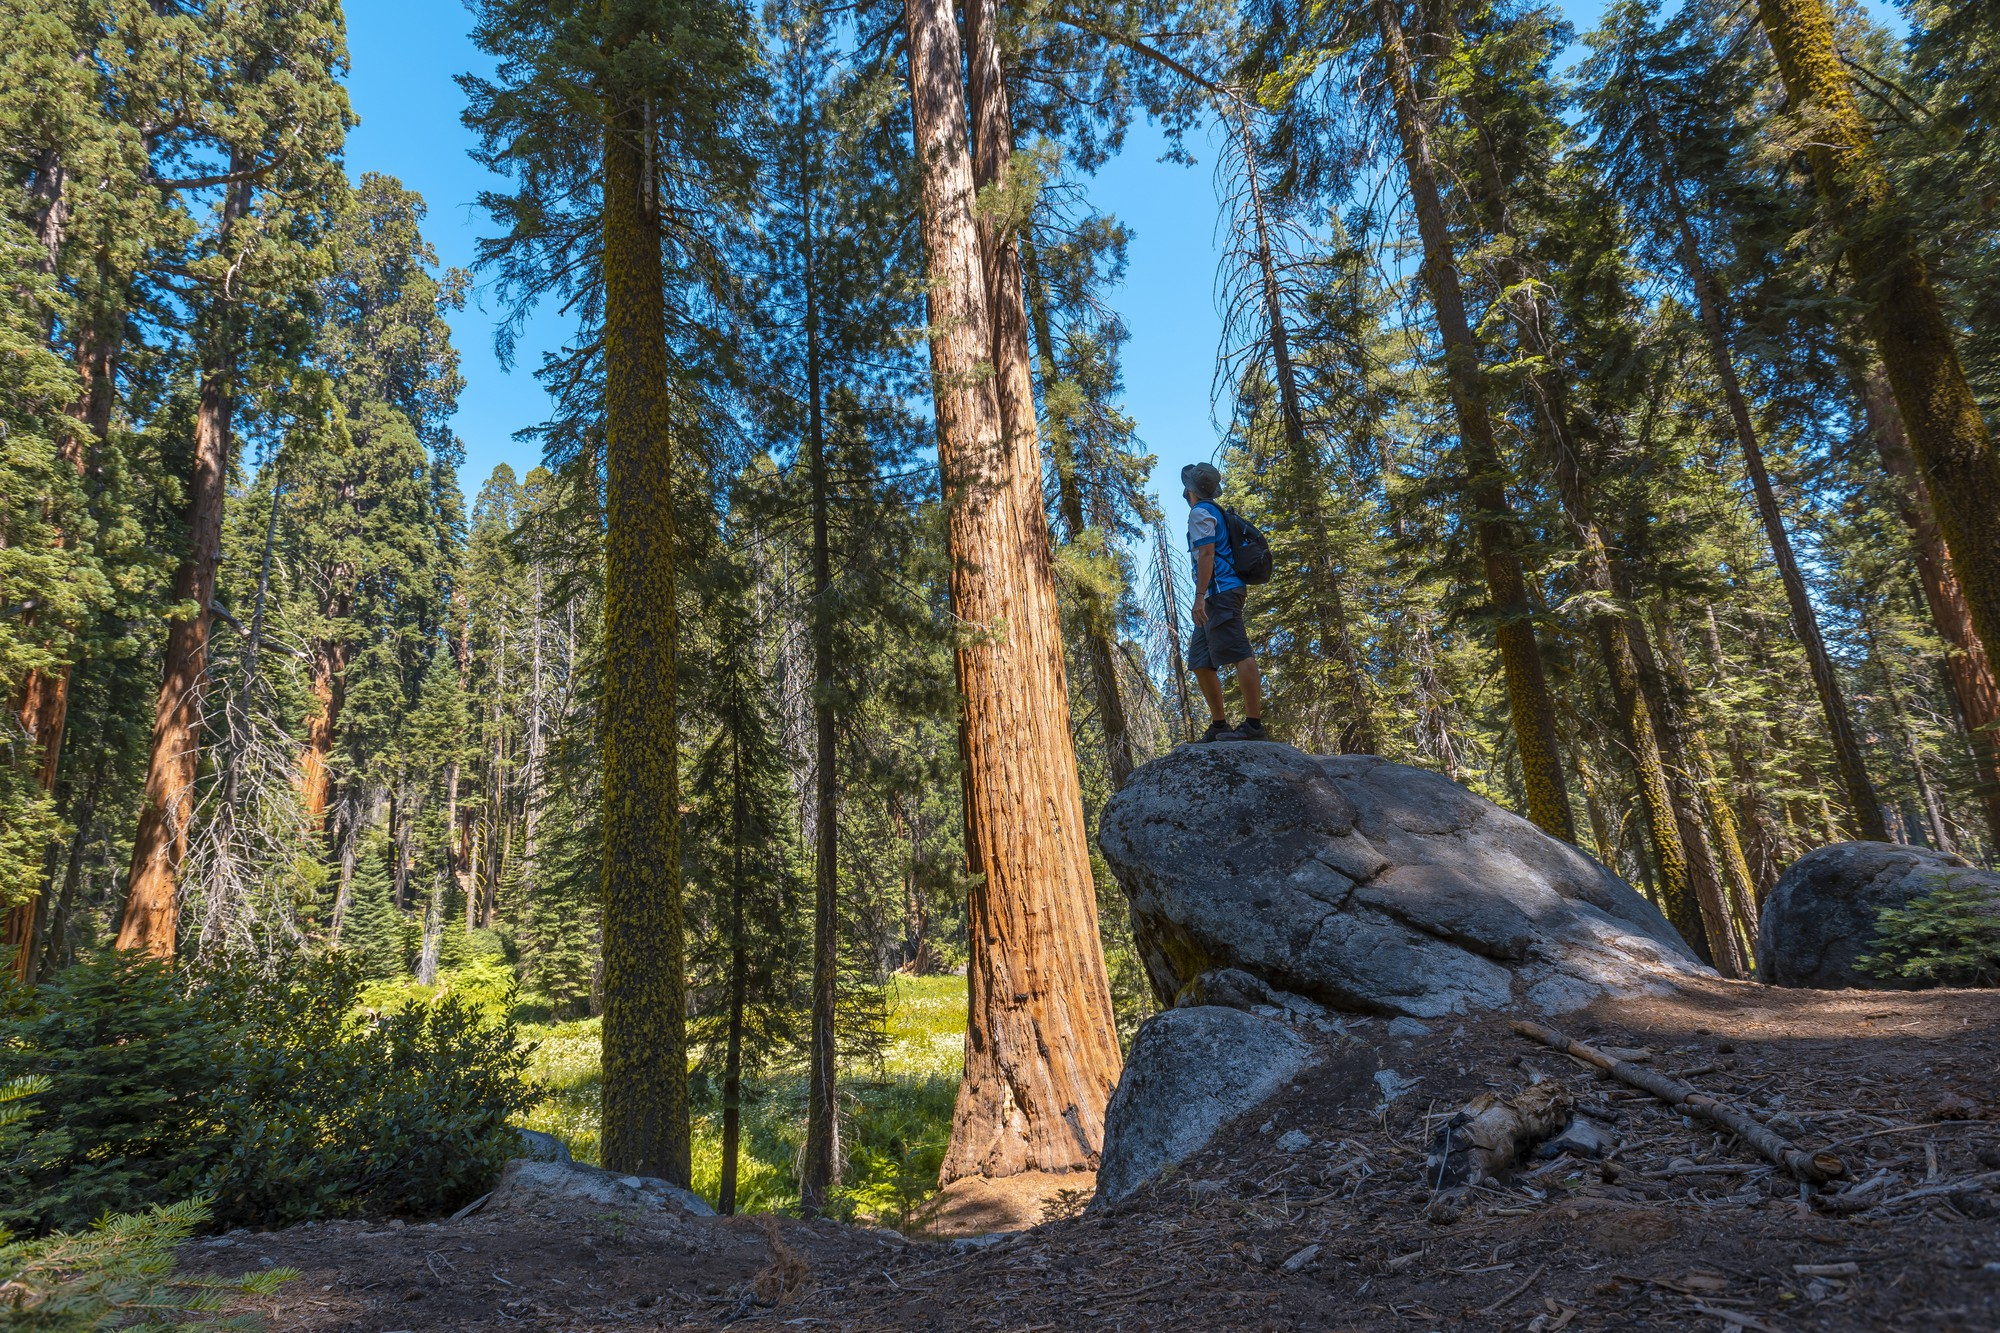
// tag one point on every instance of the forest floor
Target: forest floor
(1695, 1232)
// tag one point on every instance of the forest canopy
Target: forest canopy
(1619, 407)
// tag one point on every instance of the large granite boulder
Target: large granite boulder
(1191, 1071)
(1372, 887)
(1823, 912)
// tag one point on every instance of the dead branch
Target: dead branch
(1494, 1132)
(1815, 1168)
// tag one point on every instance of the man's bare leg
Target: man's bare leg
(1211, 690)
(1251, 686)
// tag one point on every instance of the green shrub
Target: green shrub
(278, 1096)
(1950, 936)
(118, 1273)
(328, 1113)
(125, 1057)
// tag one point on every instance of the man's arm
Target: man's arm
(1204, 574)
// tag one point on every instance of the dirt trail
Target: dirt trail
(1695, 1231)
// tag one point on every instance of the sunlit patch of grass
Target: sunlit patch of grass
(895, 1116)
(566, 1063)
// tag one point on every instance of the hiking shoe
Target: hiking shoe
(1217, 730)
(1251, 729)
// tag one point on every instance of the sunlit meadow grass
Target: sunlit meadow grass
(896, 1116)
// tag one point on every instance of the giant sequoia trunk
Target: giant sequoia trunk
(1041, 1047)
(1917, 345)
(1529, 704)
(151, 916)
(329, 691)
(1100, 647)
(645, 987)
(1865, 811)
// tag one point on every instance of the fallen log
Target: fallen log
(1814, 1168)
(1494, 1132)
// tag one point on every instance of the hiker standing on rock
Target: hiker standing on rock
(1228, 554)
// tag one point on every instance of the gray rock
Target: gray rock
(1370, 887)
(539, 1147)
(1581, 1137)
(1408, 1027)
(1233, 988)
(1822, 914)
(527, 1184)
(986, 1241)
(1190, 1072)
(1393, 1087)
(1294, 1140)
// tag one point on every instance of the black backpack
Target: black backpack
(1248, 550)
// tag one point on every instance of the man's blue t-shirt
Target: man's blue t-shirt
(1206, 527)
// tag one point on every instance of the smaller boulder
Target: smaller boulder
(528, 1185)
(1823, 913)
(539, 1147)
(1191, 1071)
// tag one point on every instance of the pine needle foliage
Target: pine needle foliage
(1950, 937)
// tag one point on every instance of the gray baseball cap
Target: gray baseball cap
(1202, 479)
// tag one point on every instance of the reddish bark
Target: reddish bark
(1041, 1048)
(160, 842)
(329, 687)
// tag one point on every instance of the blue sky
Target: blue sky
(404, 56)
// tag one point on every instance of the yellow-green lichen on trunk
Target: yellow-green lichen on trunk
(1904, 318)
(645, 1037)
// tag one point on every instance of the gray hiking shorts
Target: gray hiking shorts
(1223, 641)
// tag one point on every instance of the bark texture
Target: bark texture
(1041, 1047)
(152, 904)
(645, 987)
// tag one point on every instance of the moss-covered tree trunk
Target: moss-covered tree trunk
(1041, 1046)
(645, 986)
(1529, 704)
(1704, 877)
(821, 1167)
(1917, 345)
(1561, 432)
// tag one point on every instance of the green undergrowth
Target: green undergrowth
(896, 1115)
